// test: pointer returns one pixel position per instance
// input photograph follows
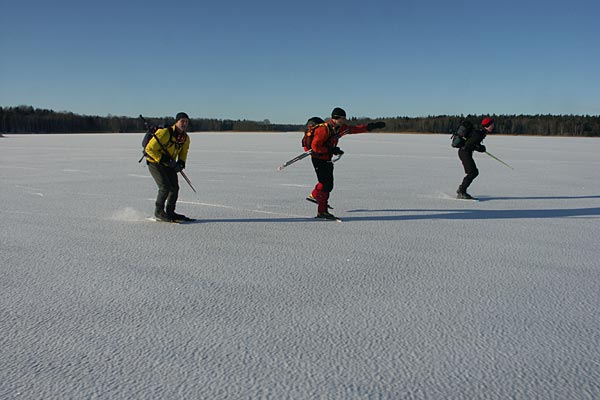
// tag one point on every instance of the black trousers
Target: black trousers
(168, 185)
(324, 170)
(471, 171)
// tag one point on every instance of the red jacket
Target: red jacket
(326, 137)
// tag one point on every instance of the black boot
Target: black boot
(328, 216)
(174, 216)
(160, 215)
(463, 195)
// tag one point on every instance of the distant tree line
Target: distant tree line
(547, 125)
(26, 119)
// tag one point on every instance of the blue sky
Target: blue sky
(287, 61)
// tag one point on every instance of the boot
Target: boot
(174, 216)
(464, 196)
(326, 215)
(461, 193)
(179, 217)
(160, 215)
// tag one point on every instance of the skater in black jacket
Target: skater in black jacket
(465, 153)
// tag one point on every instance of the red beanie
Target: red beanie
(487, 122)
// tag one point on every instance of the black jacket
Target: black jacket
(474, 140)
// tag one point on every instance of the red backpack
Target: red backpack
(309, 135)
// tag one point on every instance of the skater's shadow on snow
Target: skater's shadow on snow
(196, 221)
(491, 198)
(463, 214)
(424, 214)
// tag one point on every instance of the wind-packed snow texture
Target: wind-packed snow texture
(415, 295)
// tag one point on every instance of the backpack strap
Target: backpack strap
(171, 133)
(329, 130)
(162, 146)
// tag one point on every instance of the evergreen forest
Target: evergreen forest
(29, 120)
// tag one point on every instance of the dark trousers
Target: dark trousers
(168, 186)
(324, 170)
(471, 171)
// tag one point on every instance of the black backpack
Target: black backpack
(147, 138)
(462, 134)
(150, 131)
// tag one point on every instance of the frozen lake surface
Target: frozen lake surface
(415, 295)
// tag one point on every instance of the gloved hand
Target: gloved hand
(375, 125)
(174, 165)
(166, 160)
(169, 162)
(337, 151)
(480, 148)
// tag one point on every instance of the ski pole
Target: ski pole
(162, 146)
(497, 159)
(187, 180)
(293, 160)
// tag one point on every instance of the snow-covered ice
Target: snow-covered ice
(415, 295)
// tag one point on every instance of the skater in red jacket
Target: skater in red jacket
(324, 146)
